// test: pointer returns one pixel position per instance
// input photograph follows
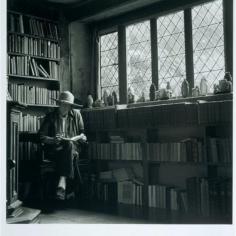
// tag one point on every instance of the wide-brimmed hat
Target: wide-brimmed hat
(67, 97)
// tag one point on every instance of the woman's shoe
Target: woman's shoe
(61, 193)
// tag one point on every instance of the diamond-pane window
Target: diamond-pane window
(138, 47)
(208, 43)
(171, 51)
(109, 63)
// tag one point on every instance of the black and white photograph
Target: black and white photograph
(118, 112)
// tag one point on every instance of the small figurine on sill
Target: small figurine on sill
(195, 91)
(110, 100)
(225, 85)
(98, 103)
(105, 97)
(203, 87)
(141, 98)
(169, 90)
(185, 89)
(89, 101)
(131, 96)
(163, 94)
(114, 97)
(152, 92)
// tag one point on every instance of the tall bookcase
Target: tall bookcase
(180, 151)
(33, 79)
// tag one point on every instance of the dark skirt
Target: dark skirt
(63, 155)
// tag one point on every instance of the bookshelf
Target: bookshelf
(34, 57)
(181, 154)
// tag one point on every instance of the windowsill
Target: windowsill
(217, 97)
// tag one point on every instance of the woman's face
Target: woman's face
(64, 108)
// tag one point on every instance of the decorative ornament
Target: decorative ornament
(195, 91)
(203, 86)
(131, 96)
(90, 101)
(110, 100)
(114, 96)
(185, 88)
(105, 96)
(152, 92)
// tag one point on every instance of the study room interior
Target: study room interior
(119, 112)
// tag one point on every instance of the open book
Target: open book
(80, 137)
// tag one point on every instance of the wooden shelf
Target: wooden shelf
(34, 56)
(35, 17)
(176, 163)
(34, 36)
(41, 106)
(105, 160)
(28, 77)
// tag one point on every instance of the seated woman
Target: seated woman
(62, 131)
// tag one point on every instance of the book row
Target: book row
(130, 193)
(126, 192)
(115, 151)
(167, 197)
(33, 46)
(219, 150)
(28, 25)
(209, 196)
(30, 123)
(27, 66)
(189, 150)
(28, 151)
(32, 95)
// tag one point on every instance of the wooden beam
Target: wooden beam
(189, 48)
(122, 64)
(84, 10)
(151, 11)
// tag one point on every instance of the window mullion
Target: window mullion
(189, 48)
(122, 64)
(228, 34)
(154, 51)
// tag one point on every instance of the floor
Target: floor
(77, 216)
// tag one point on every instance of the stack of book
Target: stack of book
(189, 150)
(33, 46)
(130, 192)
(30, 122)
(219, 150)
(27, 66)
(115, 151)
(28, 151)
(32, 95)
(209, 196)
(167, 197)
(106, 192)
(35, 26)
(215, 112)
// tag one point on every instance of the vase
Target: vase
(185, 89)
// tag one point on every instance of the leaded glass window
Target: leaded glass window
(109, 63)
(138, 48)
(208, 43)
(171, 51)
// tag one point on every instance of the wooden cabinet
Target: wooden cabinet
(13, 119)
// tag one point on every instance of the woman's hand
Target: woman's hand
(83, 137)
